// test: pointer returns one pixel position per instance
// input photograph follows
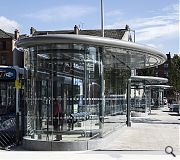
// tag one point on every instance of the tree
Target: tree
(174, 75)
(147, 71)
(116, 80)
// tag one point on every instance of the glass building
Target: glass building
(76, 88)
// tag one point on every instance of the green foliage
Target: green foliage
(147, 72)
(116, 80)
(174, 73)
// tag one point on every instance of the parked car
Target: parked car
(175, 108)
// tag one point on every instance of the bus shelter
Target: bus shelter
(141, 95)
(77, 86)
(157, 92)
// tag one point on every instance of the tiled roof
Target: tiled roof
(54, 32)
(111, 33)
(23, 36)
(4, 34)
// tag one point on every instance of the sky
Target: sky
(156, 22)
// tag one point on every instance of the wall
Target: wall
(6, 54)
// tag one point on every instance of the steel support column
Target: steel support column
(128, 115)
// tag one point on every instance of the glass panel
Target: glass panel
(63, 92)
(92, 90)
(115, 96)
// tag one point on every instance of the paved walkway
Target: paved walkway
(155, 132)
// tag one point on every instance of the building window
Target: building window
(166, 65)
(3, 45)
(166, 74)
(166, 69)
(3, 59)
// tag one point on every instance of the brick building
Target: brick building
(163, 69)
(7, 41)
(158, 71)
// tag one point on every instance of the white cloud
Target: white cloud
(173, 8)
(8, 25)
(160, 45)
(154, 32)
(61, 13)
(153, 21)
(114, 13)
(155, 46)
(166, 23)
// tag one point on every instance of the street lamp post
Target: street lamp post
(102, 18)
(101, 77)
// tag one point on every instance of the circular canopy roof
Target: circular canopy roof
(116, 53)
(149, 79)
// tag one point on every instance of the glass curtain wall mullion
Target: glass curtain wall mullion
(47, 109)
(53, 95)
(30, 130)
(33, 92)
(72, 91)
(145, 97)
(85, 85)
(37, 98)
(101, 97)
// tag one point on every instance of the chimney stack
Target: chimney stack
(76, 29)
(32, 30)
(16, 34)
(127, 27)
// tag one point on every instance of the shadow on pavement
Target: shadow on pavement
(174, 114)
(152, 121)
(167, 111)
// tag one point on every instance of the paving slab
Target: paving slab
(154, 132)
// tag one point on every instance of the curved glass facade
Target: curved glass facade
(71, 94)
